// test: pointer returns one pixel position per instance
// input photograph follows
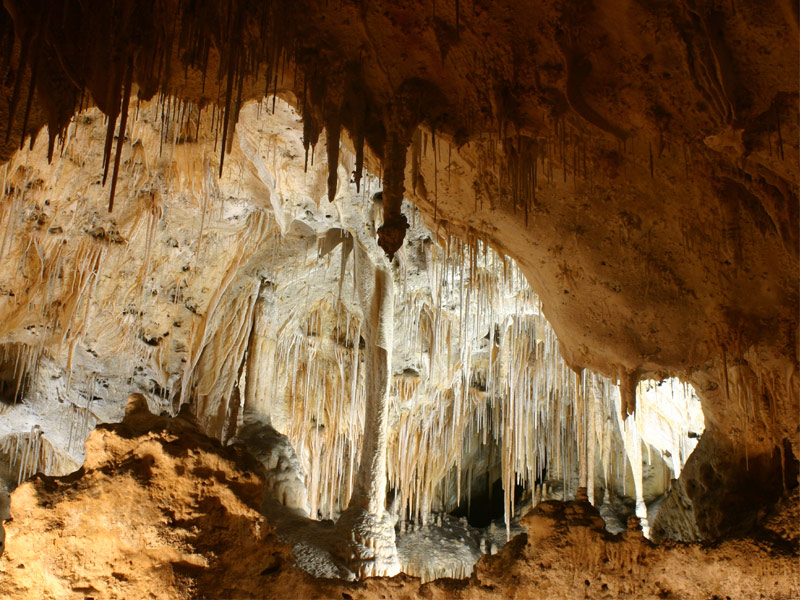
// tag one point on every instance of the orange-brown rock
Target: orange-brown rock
(161, 511)
(157, 511)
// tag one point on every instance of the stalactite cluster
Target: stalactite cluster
(482, 369)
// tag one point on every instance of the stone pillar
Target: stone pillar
(371, 549)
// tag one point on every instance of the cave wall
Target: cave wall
(637, 159)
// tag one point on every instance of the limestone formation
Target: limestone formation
(546, 264)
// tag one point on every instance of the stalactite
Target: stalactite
(522, 155)
(333, 129)
(778, 130)
(126, 96)
(416, 144)
(395, 224)
(627, 383)
(114, 107)
(311, 131)
(226, 114)
(32, 85)
(27, 39)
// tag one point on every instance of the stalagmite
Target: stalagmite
(373, 550)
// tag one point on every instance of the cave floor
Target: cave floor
(162, 511)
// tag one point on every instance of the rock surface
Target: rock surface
(162, 511)
(639, 160)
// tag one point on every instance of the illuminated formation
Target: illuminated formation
(478, 388)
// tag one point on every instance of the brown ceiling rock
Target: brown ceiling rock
(639, 160)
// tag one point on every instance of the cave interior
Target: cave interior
(378, 299)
